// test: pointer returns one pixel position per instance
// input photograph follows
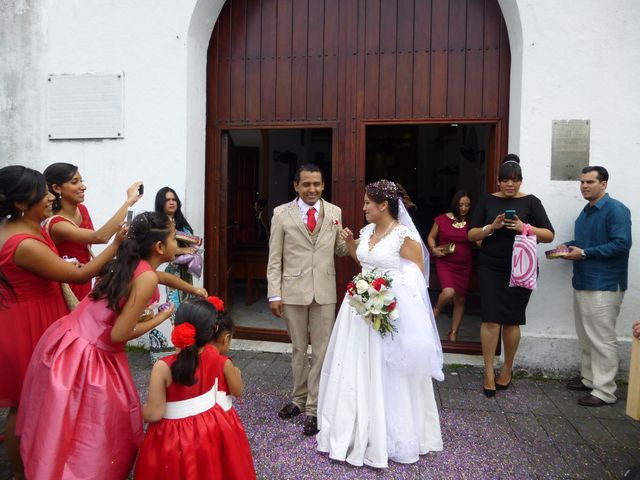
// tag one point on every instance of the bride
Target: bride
(376, 400)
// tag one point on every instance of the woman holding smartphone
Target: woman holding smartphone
(496, 221)
(70, 226)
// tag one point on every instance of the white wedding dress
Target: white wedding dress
(376, 401)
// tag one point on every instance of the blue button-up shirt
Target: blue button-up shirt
(603, 231)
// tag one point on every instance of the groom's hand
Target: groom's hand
(276, 308)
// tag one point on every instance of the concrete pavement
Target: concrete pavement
(535, 429)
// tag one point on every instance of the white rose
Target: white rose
(361, 286)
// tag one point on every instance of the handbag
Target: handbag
(447, 248)
(524, 260)
(193, 261)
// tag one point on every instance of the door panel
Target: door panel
(346, 64)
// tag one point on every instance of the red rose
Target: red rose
(184, 335)
(378, 283)
(351, 288)
(216, 302)
(391, 306)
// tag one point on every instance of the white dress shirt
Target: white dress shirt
(304, 208)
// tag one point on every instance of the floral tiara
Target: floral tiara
(384, 188)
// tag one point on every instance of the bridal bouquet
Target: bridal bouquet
(370, 295)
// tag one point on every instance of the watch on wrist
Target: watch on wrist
(583, 254)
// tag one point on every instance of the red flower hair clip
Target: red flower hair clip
(184, 335)
(216, 302)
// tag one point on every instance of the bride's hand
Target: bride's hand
(347, 235)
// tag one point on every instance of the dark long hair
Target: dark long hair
(145, 231)
(161, 199)
(455, 204)
(18, 184)
(391, 192)
(57, 174)
(202, 315)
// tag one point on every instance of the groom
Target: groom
(305, 236)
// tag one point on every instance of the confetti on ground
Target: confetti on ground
(533, 430)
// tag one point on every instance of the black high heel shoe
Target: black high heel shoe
(500, 386)
(489, 392)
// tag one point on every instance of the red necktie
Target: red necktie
(311, 219)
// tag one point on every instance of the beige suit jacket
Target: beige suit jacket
(299, 271)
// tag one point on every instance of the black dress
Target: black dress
(500, 302)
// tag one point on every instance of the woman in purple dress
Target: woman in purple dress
(453, 264)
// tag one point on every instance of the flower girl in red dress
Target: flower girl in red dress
(237, 462)
(187, 429)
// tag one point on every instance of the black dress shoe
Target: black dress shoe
(310, 426)
(290, 410)
(577, 385)
(591, 401)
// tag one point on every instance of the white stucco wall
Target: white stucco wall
(574, 59)
(571, 59)
(161, 48)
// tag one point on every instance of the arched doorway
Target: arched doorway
(380, 78)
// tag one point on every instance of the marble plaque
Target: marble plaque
(569, 148)
(85, 106)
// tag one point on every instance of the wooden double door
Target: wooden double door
(348, 65)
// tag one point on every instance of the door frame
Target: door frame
(216, 201)
(217, 267)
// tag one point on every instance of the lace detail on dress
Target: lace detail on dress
(385, 255)
(404, 232)
(367, 230)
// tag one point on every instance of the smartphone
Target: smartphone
(141, 189)
(130, 215)
(509, 214)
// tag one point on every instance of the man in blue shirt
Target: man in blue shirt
(600, 255)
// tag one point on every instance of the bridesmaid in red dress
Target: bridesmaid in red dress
(30, 295)
(237, 462)
(70, 226)
(80, 414)
(454, 269)
(190, 436)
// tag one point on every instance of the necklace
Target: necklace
(375, 238)
(455, 224)
(380, 237)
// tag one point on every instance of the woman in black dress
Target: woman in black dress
(504, 306)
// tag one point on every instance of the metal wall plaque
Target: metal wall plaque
(569, 148)
(85, 106)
